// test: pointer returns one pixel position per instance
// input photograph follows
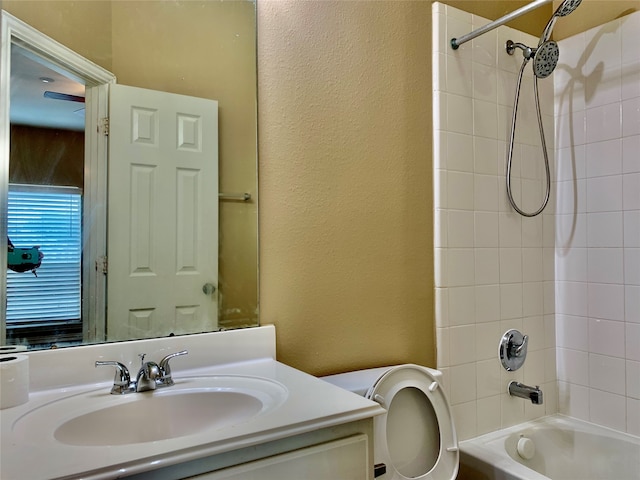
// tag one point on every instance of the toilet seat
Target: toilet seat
(411, 449)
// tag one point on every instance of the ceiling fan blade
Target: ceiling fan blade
(63, 96)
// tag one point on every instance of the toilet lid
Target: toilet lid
(416, 438)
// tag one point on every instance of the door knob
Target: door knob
(208, 288)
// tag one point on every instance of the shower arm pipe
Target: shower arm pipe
(456, 42)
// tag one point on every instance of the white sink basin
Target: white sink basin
(191, 406)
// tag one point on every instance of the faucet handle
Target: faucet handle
(165, 368)
(519, 350)
(512, 350)
(122, 379)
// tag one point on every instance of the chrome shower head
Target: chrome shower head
(565, 8)
(545, 59)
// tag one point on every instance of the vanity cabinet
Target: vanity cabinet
(305, 428)
(342, 452)
(343, 459)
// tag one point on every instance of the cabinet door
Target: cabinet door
(345, 459)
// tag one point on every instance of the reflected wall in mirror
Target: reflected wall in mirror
(198, 48)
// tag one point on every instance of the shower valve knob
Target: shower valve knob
(519, 350)
(513, 350)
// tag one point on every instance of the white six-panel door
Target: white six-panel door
(163, 214)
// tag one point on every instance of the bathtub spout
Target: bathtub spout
(518, 389)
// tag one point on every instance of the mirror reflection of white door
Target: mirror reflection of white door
(163, 214)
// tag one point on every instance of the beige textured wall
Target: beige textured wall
(345, 178)
(91, 23)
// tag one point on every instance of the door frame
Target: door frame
(94, 223)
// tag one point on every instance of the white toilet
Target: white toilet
(416, 438)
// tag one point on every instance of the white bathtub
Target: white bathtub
(565, 449)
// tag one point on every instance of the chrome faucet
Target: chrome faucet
(149, 377)
(521, 390)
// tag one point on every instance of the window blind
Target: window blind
(51, 218)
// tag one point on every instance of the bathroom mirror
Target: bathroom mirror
(196, 48)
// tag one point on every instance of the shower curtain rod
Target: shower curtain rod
(456, 42)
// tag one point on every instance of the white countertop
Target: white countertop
(311, 404)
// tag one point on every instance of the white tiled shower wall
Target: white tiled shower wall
(579, 261)
(597, 102)
(494, 268)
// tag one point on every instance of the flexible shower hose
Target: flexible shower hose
(511, 139)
